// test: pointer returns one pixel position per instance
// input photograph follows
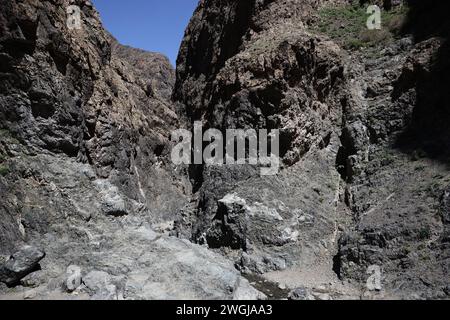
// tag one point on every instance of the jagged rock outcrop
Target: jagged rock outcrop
(20, 264)
(66, 92)
(85, 172)
(85, 131)
(272, 74)
(280, 76)
(154, 68)
(352, 192)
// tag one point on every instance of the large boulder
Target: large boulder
(20, 264)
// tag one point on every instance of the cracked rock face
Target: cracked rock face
(275, 75)
(86, 176)
(85, 129)
(363, 173)
(20, 264)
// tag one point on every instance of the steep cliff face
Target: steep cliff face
(69, 93)
(273, 74)
(154, 68)
(352, 192)
(85, 177)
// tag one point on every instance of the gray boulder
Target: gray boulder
(20, 264)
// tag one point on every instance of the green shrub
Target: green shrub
(347, 26)
(4, 170)
(425, 233)
(8, 136)
(4, 133)
(354, 44)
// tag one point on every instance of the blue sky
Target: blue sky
(153, 25)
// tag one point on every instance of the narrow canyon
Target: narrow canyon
(92, 207)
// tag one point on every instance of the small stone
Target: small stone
(31, 294)
(321, 289)
(73, 280)
(323, 297)
(299, 294)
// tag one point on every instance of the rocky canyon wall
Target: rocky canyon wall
(86, 177)
(353, 192)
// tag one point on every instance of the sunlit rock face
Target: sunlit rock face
(85, 131)
(363, 163)
(77, 95)
(93, 207)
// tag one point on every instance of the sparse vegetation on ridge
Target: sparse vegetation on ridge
(4, 170)
(347, 26)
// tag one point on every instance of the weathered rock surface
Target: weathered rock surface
(113, 257)
(85, 174)
(300, 294)
(272, 74)
(154, 68)
(352, 192)
(85, 129)
(73, 280)
(67, 92)
(20, 264)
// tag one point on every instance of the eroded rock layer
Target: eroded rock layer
(85, 129)
(92, 206)
(363, 143)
